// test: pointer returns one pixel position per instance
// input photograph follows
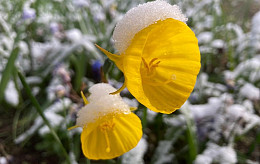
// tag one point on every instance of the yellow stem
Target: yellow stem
(120, 89)
(84, 98)
(73, 127)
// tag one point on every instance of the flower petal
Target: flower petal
(125, 135)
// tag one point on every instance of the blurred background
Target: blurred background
(47, 56)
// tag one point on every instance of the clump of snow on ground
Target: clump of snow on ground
(162, 152)
(250, 91)
(136, 155)
(217, 154)
(11, 94)
(255, 31)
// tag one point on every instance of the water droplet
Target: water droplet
(107, 149)
(173, 77)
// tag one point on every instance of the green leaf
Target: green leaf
(7, 72)
(79, 63)
(107, 66)
(40, 111)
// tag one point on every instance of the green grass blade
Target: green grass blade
(79, 63)
(40, 111)
(191, 135)
(144, 118)
(192, 142)
(7, 72)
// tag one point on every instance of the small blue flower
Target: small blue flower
(54, 27)
(96, 70)
(28, 14)
(81, 3)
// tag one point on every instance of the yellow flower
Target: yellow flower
(161, 57)
(110, 129)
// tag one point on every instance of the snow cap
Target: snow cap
(101, 103)
(141, 17)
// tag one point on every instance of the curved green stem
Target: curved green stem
(40, 111)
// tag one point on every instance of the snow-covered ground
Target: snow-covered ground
(57, 55)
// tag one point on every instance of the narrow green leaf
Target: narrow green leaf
(79, 62)
(144, 118)
(40, 111)
(190, 134)
(192, 139)
(7, 72)
(107, 66)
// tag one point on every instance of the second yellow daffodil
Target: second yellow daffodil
(110, 129)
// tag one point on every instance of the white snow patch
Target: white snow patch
(74, 35)
(151, 115)
(136, 154)
(203, 159)
(205, 37)
(162, 152)
(250, 91)
(255, 31)
(249, 68)
(131, 102)
(218, 154)
(206, 110)
(218, 43)
(55, 120)
(98, 12)
(239, 113)
(72, 158)
(11, 94)
(23, 47)
(141, 17)
(81, 3)
(8, 43)
(3, 160)
(41, 50)
(176, 121)
(238, 30)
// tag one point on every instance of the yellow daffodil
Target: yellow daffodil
(110, 129)
(159, 55)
